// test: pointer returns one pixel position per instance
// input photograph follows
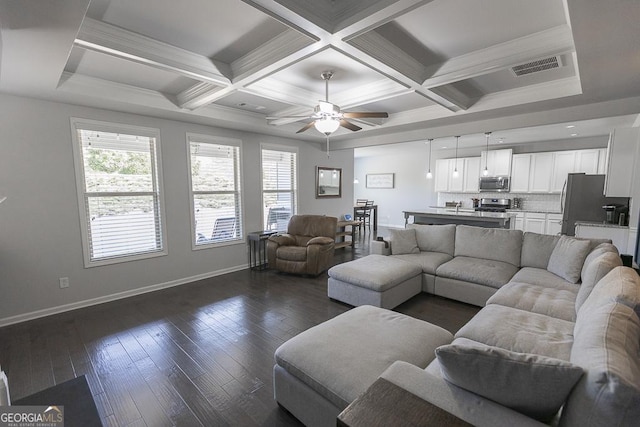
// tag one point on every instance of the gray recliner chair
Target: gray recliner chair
(306, 248)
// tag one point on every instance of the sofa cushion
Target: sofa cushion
(292, 253)
(547, 300)
(602, 248)
(594, 272)
(520, 331)
(622, 285)
(489, 243)
(528, 383)
(342, 357)
(435, 238)
(482, 271)
(568, 258)
(537, 276)
(403, 241)
(537, 249)
(607, 346)
(428, 261)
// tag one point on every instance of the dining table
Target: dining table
(374, 212)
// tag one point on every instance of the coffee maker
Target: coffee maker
(616, 214)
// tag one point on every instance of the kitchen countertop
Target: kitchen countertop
(462, 212)
(600, 224)
(508, 210)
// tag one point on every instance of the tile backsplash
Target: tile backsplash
(533, 202)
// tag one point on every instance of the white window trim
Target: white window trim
(209, 139)
(290, 149)
(78, 123)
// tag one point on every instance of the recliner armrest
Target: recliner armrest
(378, 247)
(320, 240)
(283, 239)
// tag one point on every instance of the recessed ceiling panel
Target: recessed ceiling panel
(397, 104)
(220, 29)
(118, 70)
(249, 102)
(451, 28)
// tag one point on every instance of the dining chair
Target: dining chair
(363, 212)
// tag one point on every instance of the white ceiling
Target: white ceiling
(439, 67)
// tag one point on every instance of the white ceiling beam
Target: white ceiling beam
(115, 41)
(554, 41)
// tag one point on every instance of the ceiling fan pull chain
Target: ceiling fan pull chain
(327, 145)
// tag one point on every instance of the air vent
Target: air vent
(537, 66)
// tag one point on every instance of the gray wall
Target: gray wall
(39, 222)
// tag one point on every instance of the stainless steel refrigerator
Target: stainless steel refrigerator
(582, 200)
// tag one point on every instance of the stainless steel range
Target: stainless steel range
(494, 205)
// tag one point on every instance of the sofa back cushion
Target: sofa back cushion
(606, 345)
(489, 243)
(602, 248)
(621, 285)
(594, 270)
(435, 238)
(313, 226)
(537, 249)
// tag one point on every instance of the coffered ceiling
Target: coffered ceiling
(437, 67)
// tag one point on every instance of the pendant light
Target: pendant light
(455, 169)
(429, 174)
(485, 172)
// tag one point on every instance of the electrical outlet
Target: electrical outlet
(64, 282)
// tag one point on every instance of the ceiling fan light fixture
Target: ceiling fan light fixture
(327, 125)
(327, 108)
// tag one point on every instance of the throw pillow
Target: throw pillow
(403, 241)
(568, 258)
(534, 385)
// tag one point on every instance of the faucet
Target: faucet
(458, 206)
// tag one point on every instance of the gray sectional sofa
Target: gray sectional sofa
(557, 342)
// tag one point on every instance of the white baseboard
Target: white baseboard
(113, 297)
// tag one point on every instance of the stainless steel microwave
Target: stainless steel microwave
(496, 184)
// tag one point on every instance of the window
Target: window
(215, 190)
(279, 187)
(119, 191)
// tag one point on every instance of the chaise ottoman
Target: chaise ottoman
(320, 371)
(377, 280)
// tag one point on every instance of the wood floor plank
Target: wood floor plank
(195, 355)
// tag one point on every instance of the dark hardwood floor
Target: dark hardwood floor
(198, 354)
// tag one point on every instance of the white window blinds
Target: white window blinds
(279, 188)
(215, 191)
(119, 192)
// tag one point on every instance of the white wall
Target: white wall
(39, 222)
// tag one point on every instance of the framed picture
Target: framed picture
(380, 180)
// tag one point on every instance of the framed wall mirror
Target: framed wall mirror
(328, 182)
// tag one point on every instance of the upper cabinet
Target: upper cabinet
(564, 163)
(498, 162)
(520, 171)
(466, 179)
(621, 156)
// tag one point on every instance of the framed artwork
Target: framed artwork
(380, 180)
(328, 182)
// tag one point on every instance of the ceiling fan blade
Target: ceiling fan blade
(363, 114)
(287, 117)
(307, 126)
(349, 125)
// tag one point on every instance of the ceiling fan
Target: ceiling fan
(327, 117)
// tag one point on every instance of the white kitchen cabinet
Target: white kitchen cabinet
(498, 162)
(520, 171)
(518, 222)
(471, 173)
(541, 168)
(602, 161)
(553, 224)
(587, 161)
(441, 177)
(619, 235)
(563, 164)
(535, 222)
(621, 157)
(467, 179)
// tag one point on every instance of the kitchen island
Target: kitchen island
(461, 216)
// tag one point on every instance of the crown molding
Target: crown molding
(115, 41)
